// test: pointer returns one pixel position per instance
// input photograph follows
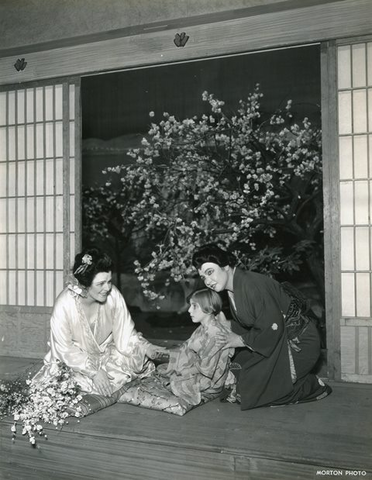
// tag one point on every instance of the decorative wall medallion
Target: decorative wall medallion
(20, 65)
(180, 39)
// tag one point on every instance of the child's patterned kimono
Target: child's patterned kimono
(196, 373)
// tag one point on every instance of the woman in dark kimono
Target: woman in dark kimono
(277, 343)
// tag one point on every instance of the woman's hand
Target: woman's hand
(102, 383)
(229, 340)
(155, 352)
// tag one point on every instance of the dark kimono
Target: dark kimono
(283, 345)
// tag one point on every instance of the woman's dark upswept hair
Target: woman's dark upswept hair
(214, 254)
(101, 262)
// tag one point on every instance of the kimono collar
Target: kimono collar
(75, 288)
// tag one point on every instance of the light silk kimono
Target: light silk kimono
(111, 343)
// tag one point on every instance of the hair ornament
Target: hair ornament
(85, 262)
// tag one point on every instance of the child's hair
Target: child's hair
(209, 301)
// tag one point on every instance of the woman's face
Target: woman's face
(196, 313)
(215, 277)
(101, 287)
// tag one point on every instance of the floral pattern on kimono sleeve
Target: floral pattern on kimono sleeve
(199, 368)
(209, 358)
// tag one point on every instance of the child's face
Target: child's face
(196, 313)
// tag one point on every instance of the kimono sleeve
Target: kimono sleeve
(264, 323)
(183, 358)
(63, 341)
(123, 328)
(263, 340)
(209, 356)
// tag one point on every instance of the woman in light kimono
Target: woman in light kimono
(197, 371)
(92, 331)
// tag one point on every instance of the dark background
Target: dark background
(119, 103)
(116, 106)
(115, 117)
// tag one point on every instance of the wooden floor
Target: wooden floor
(324, 439)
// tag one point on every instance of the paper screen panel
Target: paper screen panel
(37, 168)
(354, 70)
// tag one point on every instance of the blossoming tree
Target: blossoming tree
(249, 183)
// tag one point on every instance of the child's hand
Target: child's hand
(229, 340)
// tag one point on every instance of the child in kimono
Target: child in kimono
(197, 370)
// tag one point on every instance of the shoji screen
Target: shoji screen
(354, 63)
(38, 175)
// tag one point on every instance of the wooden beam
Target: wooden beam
(310, 24)
(192, 18)
(331, 208)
